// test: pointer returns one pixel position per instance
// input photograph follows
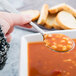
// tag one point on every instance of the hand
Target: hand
(9, 20)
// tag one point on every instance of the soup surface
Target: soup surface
(44, 62)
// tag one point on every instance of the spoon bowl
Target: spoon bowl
(58, 42)
(63, 51)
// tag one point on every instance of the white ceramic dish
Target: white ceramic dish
(35, 38)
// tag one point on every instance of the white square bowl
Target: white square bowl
(23, 70)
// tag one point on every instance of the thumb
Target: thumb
(20, 19)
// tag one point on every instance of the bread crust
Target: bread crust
(62, 7)
(61, 24)
(56, 9)
(70, 10)
(56, 25)
(33, 13)
(48, 26)
(43, 15)
(50, 21)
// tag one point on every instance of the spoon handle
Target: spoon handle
(7, 6)
(37, 28)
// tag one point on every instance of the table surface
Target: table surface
(12, 65)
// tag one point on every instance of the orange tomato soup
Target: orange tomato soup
(44, 62)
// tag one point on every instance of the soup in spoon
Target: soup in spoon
(58, 42)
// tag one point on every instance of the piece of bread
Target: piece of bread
(33, 13)
(64, 7)
(70, 10)
(57, 8)
(50, 21)
(66, 20)
(56, 25)
(43, 15)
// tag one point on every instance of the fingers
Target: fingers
(7, 17)
(10, 30)
(4, 25)
(20, 19)
(8, 38)
(15, 19)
